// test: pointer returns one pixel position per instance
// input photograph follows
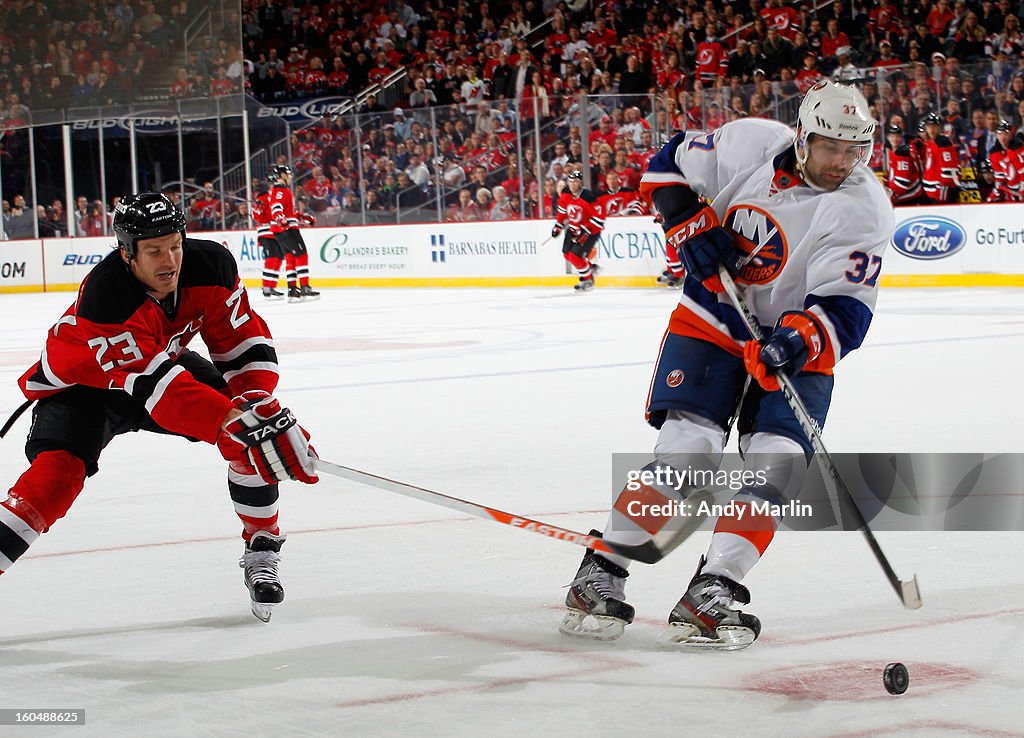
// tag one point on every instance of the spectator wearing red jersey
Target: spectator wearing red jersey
(809, 74)
(782, 18)
(833, 39)
(670, 77)
(380, 70)
(618, 200)
(939, 18)
(206, 209)
(337, 79)
(712, 59)
(604, 132)
(182, 86)
(464, 210)
(220, 85)
(883, 18)
(629, 176)
(602, 39)
(885, 56)
(316, 189)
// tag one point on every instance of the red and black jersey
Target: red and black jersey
(205, 208)
(117, 337)
(629, 177)
(579, 214)
(712, 60)
(221, 87)
(261, 214)
(624, 201)
(317, 189)
(282, 209)
(904, 177)
(1006, 168)
(785, 20)
(941, 169)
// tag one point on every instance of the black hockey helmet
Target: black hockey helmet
(275, 172)
(574, 174)
(985, 166)
(930, 119)
(1004, 125)
(894, 129)
(145, 215)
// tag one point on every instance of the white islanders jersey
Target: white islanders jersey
(811, 249)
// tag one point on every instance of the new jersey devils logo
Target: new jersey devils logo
(177, 343)
(757, 233)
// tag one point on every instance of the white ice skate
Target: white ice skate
(595, 606)
(260, 560)
(705, 619)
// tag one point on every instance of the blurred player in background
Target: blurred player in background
(273, 254)
(579, 215)
(903, 178)
(284, 225)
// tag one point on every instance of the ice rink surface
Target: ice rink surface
(402, 618)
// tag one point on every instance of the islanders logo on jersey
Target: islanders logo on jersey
(760, 235)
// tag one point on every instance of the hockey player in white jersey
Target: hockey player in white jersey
(801, 224)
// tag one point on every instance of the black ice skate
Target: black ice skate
(308, 293)
(294, 295)
(669, 279)
(269, 293)
(584, 285)
(705, 618)
(260, 560)
(595, 603)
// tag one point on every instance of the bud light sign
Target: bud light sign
(928, 237)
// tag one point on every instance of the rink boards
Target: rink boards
(940, 246)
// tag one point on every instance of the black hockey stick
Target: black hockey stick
(907, 591)
(663, 542)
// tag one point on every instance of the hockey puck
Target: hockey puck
(895, 678)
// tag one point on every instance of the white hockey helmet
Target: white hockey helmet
(835, 111)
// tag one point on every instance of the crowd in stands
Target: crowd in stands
(482, 77)
(57, 54)
(482, 69)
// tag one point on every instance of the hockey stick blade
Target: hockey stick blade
(907, 591)
(650, 552)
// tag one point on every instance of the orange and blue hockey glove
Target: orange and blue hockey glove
(797, 339)
(703, 244)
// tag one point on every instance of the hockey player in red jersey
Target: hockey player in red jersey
(284, 225)
(941, 168)
(579, 216)
(903, 179)
(801, 224)
(117, 361)
(1006, 162)
(273, 254)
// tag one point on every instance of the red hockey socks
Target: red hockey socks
(40, 497)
